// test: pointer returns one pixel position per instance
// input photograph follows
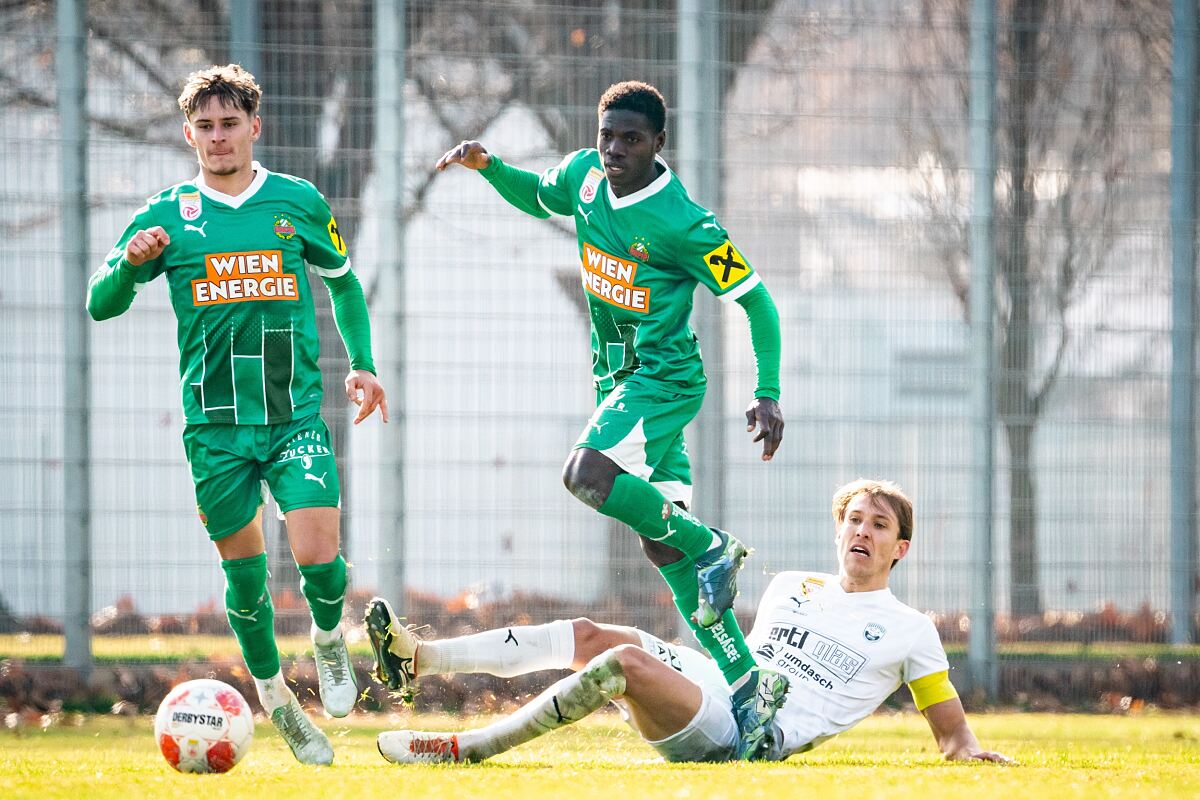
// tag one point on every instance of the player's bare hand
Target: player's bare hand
(764, 416)
(366, 392)
(471, 155)
(146, 246)
(987, 755)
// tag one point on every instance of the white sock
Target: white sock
(569, 700)
(504, 652)
(273, 692)
(325, 638)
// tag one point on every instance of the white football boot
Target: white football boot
(335, 674)
(418, 747)
(308, 742)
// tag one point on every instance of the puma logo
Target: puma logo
(584, 214)
(308, 476)
(199, 230)
(562, 718)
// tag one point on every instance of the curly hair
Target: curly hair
(635, 96)
(232, 85)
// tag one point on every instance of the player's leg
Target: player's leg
(400, 658)
(302, 474)
(665, 700)
(612, 467)
(229, 497)
(611, 463)
(757, 693)
(251, 616)
(723, 641)
(716, 568)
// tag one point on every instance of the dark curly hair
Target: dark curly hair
(635, 96)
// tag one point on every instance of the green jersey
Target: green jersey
(641, 257)
(247, 327)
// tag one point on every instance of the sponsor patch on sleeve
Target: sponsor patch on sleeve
(726, 264)
(339, 243)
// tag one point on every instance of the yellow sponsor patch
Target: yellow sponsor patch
(726, 264)
(339, 243)
(810, 585)
(611, 279)
(239, 277)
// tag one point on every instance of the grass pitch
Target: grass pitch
(887, 756)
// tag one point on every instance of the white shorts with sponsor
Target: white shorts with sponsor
(712, 734)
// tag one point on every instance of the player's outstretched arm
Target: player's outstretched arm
(518, 186)
(111, 288)
(471, 155)
(954, 737)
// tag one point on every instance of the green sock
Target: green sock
(640, 506)
(723, 641)
(324, 586)
(250, 613)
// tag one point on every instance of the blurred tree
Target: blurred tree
(467, 63)
(1071, 75)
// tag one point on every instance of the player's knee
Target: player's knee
(589, 639)
(585, 478)
(592, 639)
(635, 662)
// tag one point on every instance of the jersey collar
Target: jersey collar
(861, 597)
(260, 177)
(654, 187)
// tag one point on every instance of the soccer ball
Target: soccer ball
(204, 726)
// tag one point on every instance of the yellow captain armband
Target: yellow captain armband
(933, 688)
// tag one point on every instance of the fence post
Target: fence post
(71, 65)
(1183, 321)
(389, 178)
(245, 35)
(981, 651)
(698, 164)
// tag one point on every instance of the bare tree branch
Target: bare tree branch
(102, 32)
(143, 132)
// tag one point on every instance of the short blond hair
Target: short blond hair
(231, 84)
(887, 491)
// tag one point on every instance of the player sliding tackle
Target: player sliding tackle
(844, 639)
(644, 245)
(233, 242)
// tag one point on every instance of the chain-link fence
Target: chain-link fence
(843, 177)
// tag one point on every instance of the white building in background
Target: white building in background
(497, 387)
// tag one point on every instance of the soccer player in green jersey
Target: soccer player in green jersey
(644, 245)
(232, 243)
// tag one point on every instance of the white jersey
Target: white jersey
(844, 652)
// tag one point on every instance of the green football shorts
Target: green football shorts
(639, 426)
(230, 464)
